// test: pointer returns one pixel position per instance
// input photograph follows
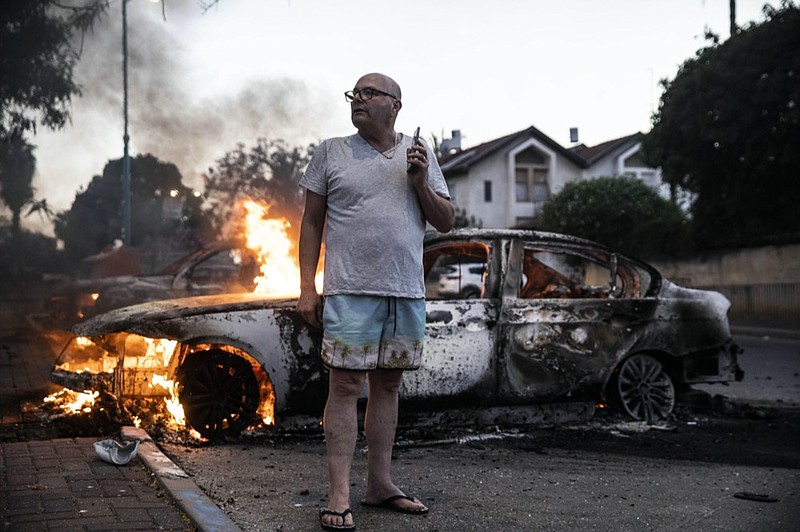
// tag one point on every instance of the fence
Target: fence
(762, 302)
(762, 284)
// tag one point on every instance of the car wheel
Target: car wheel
(471, 292)
(644, 390)
(219, 393)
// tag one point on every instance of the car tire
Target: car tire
(643, 389)
(219, 393)
(471, 292)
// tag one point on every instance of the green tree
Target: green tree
(463, 219)
(621, 212)
(164, 210)
(17, 166)
(728, 130)
(269, 172)
(39, 45)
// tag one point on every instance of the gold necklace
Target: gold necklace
(389, 154)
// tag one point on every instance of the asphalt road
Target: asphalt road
(700, 471)
(772, 373)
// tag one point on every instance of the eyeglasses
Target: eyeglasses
(366, 94)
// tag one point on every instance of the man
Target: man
(376, 204)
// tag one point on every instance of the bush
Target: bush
(622, 213)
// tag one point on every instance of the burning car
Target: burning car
(217, 267)
(557, 323)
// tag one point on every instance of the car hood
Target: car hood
(136, 317)
(92, 285)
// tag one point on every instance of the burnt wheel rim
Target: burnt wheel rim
(219, 393)
(645, 391)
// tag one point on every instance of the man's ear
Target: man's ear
(397, 105)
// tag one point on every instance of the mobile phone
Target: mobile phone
(414, 142)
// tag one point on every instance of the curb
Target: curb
(203, 512)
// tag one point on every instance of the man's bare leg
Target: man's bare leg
(341, 428)
(380, 425)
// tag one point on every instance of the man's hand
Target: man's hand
(438, 211)
(417, 165)
(309, 306)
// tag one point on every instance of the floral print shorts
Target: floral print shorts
(364, 332)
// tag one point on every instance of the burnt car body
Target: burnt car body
(218, 267)
(557, 321)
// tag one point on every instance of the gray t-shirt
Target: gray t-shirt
(375, 224)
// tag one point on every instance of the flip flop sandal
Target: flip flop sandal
(388, 504)
(328, 526)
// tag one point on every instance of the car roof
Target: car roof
(177, 265)
(526, 234)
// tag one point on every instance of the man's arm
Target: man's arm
(438, 210)
(309, 305)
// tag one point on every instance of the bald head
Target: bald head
(374, 117)
(381, 82)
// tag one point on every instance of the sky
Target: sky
(202, 81)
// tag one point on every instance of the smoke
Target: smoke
(166, 115)
(191, 134)
(167, 120)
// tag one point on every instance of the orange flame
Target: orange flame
(83, 341)
(277, 254)
(173, 404)
(279, 272)
(73, 402)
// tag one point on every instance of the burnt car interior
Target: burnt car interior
(456, 271)
(549, 273)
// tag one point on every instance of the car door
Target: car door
(460, 329)
(570, 312)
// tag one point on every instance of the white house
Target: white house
(506, 181)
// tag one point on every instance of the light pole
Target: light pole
(126, 159)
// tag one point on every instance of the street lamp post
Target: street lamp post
(126, 159)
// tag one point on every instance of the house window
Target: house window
(531, 183)
(487, 191)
